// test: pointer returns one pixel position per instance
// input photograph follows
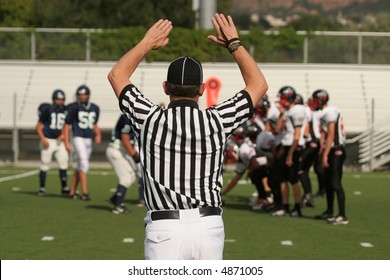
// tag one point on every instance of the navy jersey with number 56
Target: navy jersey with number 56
(52, 118)
(82, 118)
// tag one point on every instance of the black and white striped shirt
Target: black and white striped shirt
(181, 148)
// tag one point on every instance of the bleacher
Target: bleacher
(350, 87)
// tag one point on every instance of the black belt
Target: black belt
(175, 214)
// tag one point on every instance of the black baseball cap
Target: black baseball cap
(185, 70)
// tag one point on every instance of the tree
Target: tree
(15, 13)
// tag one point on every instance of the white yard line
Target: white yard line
(18, 176)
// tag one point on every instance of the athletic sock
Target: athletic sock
(63, 178)
(42, 179)
(120, 195)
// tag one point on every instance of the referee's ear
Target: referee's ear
(201, 89)
(165, 88)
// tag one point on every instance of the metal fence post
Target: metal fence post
(88, 46)
(33, 46)
(372, 156)
(306, 49)
(360, 49)
(15, 133)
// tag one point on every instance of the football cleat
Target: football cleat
(339, 220)
(85, 197)
(41, 192)
(65, 190)
(120, 209)
(324, 216)
(280, 213)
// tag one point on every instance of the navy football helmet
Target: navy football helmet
(83, 93)
(58, 94)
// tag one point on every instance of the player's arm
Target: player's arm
(280, 122)
(297, 135)
(125, 138)
(255, 83)
(155, 38)
(232, 184)
(97, 133)
(66, 133)
(41, 136)
(328, 143)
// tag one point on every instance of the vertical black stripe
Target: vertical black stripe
(193, 152)
(183, 172)
(202, 167)
(336, 133)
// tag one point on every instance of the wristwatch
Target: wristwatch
(234, 46)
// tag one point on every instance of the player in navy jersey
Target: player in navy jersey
(49, 129)
(123, 157)
(83, 118)
(181, 146)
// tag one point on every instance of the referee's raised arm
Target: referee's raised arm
(227, 36)
(155, 38)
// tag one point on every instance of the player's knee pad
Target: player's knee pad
(44, 167)
(127, 180)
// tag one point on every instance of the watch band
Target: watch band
(234, 46)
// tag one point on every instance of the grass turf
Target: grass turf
(87, 230)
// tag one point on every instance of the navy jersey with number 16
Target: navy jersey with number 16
(52, 118)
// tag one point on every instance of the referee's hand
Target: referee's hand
(226, 30)
(157, 35)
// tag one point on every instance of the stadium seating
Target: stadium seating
(351, 87)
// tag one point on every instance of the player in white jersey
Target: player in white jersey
(268, 143)
(333, 156)
(291, 123)
(247, 160)
(311, 155)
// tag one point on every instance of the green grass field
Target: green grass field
(52, 227)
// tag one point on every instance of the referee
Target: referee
(181, 147)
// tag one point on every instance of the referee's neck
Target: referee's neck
(177, 98)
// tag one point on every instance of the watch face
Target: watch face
(233, 47)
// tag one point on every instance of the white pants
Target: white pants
(123, 165)
(58, 150)
(83, 147)
(190, 237)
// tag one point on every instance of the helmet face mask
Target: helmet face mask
(232, 153)
(299, 99)
(287, 95)
(320, 98)
(82, 94)
(262, 107)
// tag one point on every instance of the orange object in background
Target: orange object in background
(213, 85)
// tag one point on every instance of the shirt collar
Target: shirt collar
(183, 103)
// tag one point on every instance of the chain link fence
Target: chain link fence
(107, 45)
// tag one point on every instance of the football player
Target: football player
(333, 156)
(123, 158)
(292, 120)
(83, 118)
(49, 129)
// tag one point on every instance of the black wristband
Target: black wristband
(228, 42)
